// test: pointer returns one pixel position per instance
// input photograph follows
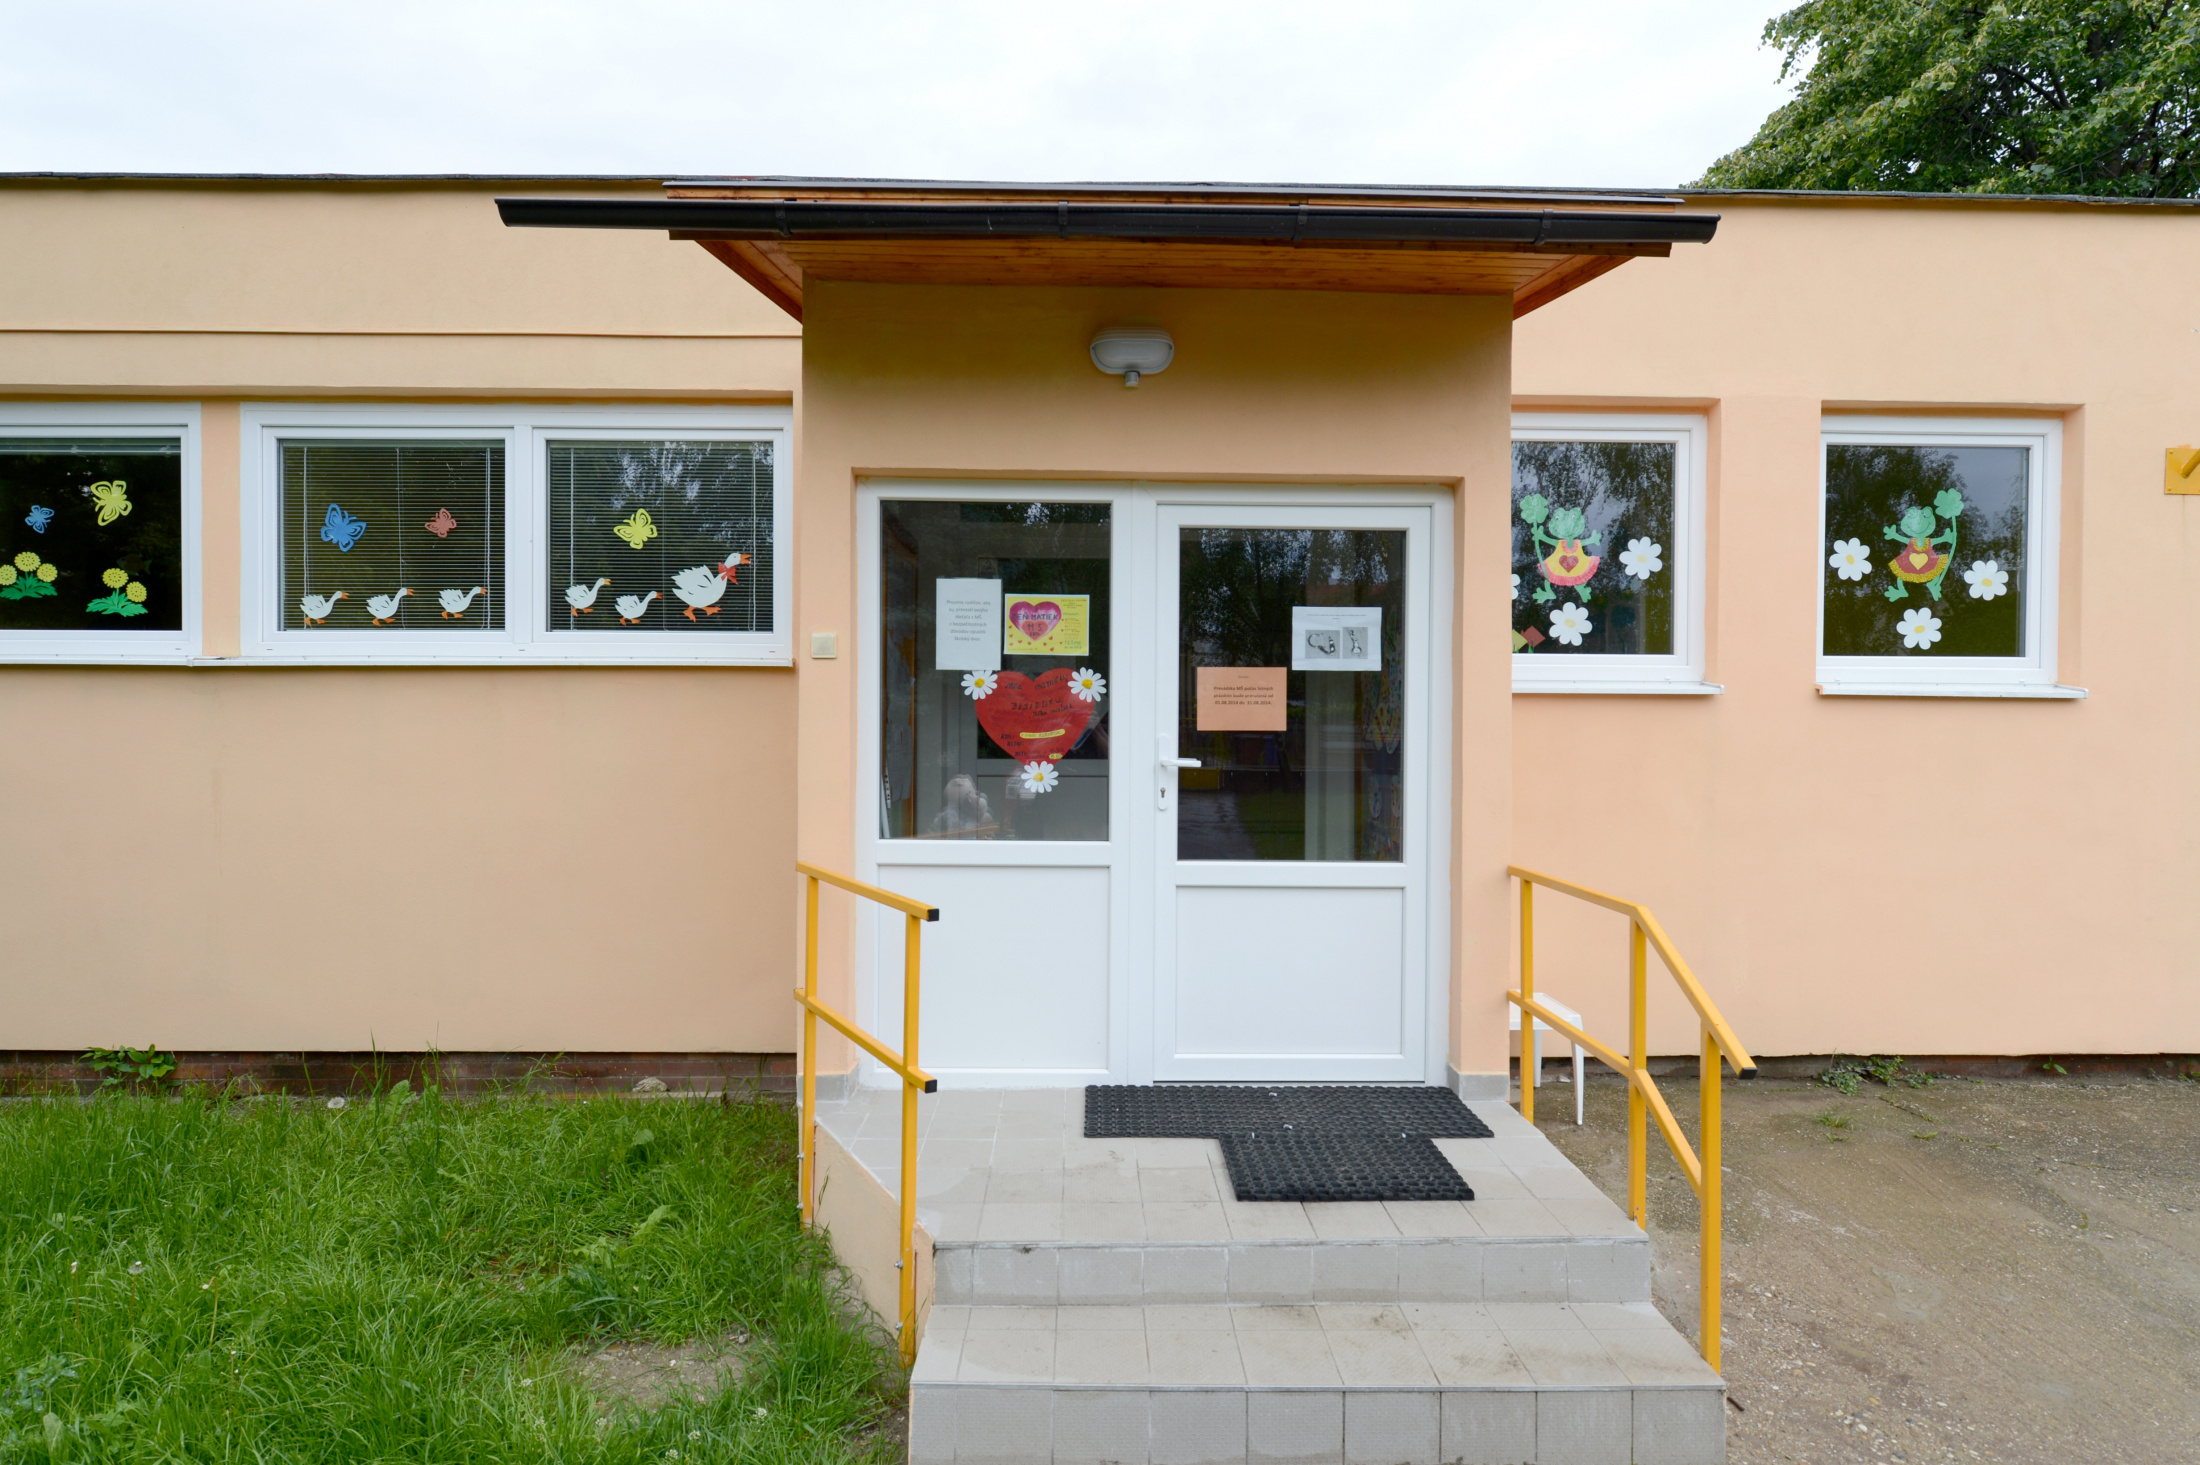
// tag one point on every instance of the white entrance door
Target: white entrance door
(1290, 792)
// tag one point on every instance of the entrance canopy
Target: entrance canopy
(780, 233)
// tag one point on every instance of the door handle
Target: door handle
(1166, 783)
(1180, 763)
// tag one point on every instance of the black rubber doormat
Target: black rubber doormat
(1306, 1143)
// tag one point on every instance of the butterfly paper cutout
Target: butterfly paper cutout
(441, 525)
(39, 517)
(341, 529)
(637, 531)
(113, 502)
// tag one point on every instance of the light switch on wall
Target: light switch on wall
(824, 645)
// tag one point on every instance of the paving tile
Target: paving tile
(1259, 1220)
(1007, 1356)
(951, 1223)
(950, 1273)
(1496, 1427)
(1178, 1221)
(1560, 1182)
(947, 1319)
(1104, 1184)
(1525, 1271)
(1287, 1359)
(1028, 1154)
(1180, 1184)
(1390, 1428)
(1468, 1317)
(947, 1185)
(961, 1154)
(1598, 1217)
(1008, 1187)
(939, 1356)
(1173, 1153)
(1303, 1319)
(1189, 1318)
(1473, 1360)
(1441, 1272)
(1619, 1317)
(1583, 1427)
(1431, 1218)
(1100, 1427)
(1363, 1317)
(1020, 1221)
(1648, 1357)
(1679, 1427)
(931, 1425)
(1524, 1216)
(1355, 1273)
(1197, 1427)
(1010, 1319)
(1090, 1274)
(1100, 1318)
(1383, 1360)
(1556, 1358)
(1350, 1220)
(963, 1123)
(1487, 1182)
(1094, 1357)
(1081, 1153)
(1007, 1274)
(1297, 1428)
(998, 1426)
(1104, 1220)
(1187, 1274)
(1534, 1317)
(1608, 1271)
(1190, 1359)
(1271, 1273)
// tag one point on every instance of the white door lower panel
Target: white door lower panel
(1312, 974)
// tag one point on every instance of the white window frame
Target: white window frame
(178, 420)
(2031, 675)
(530, 635)
(1680, 672)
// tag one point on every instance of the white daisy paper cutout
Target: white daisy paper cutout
(1987, 579)
(1038, 778)
(1088, 685)
(981, 684)
(1849, 559)
(1919, 628)
(1516, 587)
(1569, 623)
(1642, 558)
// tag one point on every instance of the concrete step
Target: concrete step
(1336, 1384)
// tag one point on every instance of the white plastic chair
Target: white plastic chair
(1532, 1063)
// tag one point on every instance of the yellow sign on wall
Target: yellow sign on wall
(1046, 625)
(2179, 475)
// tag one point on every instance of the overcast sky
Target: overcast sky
(1586, 93)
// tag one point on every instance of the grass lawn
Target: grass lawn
(411, 1279)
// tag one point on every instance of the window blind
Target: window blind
(660, 535)
(399, 534)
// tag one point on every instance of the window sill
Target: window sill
(486, 658)
(1594, 688)
(2032, 691)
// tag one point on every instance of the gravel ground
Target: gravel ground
(2002, 1270)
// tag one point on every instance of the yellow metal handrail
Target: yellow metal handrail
(914, 1080)
(1644, 1102)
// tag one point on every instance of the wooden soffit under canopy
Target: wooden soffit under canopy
(779, 234)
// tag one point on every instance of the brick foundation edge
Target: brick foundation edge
(36, 1071)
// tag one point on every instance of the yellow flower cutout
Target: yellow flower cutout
(7, 574)
(26, 561)
(47, 572)
(114, 579)
(136, 592)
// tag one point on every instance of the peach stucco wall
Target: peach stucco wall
(1901, 874)
(1266, 387)
(230, 857)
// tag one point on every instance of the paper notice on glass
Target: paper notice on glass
(1336, 638)
(1047, 625)
(966, 619)
(1240, 698)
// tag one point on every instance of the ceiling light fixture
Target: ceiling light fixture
(1131, 352)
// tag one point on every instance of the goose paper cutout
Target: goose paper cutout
(1046, 625)
(1035, 718)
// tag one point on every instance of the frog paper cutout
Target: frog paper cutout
(1925, 556)
(1561, 547)
(1036, 719)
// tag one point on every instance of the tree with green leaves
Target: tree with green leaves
(2095, 97)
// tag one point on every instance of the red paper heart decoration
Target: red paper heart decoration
(1035, 718)
(1036, 619)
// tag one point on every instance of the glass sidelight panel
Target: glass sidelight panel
(1291, 694)
(995, 664)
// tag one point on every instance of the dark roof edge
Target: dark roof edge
(1307, 223)
(647, 180)
(1894, 195)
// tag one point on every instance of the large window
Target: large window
(98, 533)
(1607, 554)
(495, 534)
(1936, 566)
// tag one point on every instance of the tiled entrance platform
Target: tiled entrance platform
(1110, 1302)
